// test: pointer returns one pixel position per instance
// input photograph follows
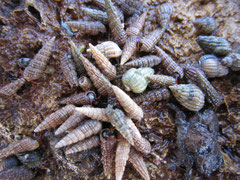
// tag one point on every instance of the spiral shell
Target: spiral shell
(205, 25)
(87, 27)
(84, 131)
(24, 62)
(162, 80)
(36, 67)
(103, 63)
(17, 173)
(115, 25)
(8, 163)
(212, 66)
(135, 79)
(96, 14)
(84, 145)
(93, 113)
(99, 3)
(136, 27)
(152, 96)
(84, 98)
(12, 87)
(130, 7)
(188, 95)
(69, 70)
(109, 48)
(26, 144)
(146, 61)
(56, 118)
(129, 49)
(85, 83)
(163, 13)
(213, 44)
(128, 104)
(232, 61)
(171, 66)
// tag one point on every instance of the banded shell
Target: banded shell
(85, 83)
(129, 49)
(69, 70)
(152, 96)
(130, 7)
(87, 27)
(109, 48)
(212, 66)
(136, 27)
(70, 123)
(84, 145)
(122, 154)
(93, 113)
(136, 159)
(150, 40)
(96, 14)
(146, 61)
(36, 67)
(168, 63)
(117, 28)
(128, 104)
(26, 144)
(188, 95)
(205, 25)
(11, 88)
(8, 163)
(84, 131)
(24, 62)
(232, 61)
(17, 173)
(135, 79)
(84, 98)
(163, 13)
(108, 143)
(56, 118)
(213, 44)
(118, 120)
(103, 63)
(162, 80)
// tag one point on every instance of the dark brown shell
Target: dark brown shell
(85, 83)
(146, 61)
(38, 64)
(11, 88)
(26, 144)
(69, 70)
(83, 98)
(205, 25)
(17, 173)
(8, 163)
(163, 13)
(136, 27)
(56, 118)
(168, 63)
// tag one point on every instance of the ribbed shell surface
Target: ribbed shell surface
(146, 61)
(11, 88)
(162, 80)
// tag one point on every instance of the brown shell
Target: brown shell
(128, 104)
(150, 40)
(163, 13)
(119, 121)
(136, 27)
(93, 113)
(70, 123)
(87, 27)
(117, 28)
(129, 49)
(96, 14)
(36, 67)
(26, 144)
(17, 173)
(56, 118)
(136, 160)
(12, 87)
(8, 163)
(85, 83)
(83, 98)
(69, 70)
(103, 63)
(205, 25)
(122, 154)
(232, 61)
(152, 96)
(162, 80)
(84, 131)
(130, 7)
(84, 145)
(168, 63)
(108, 143)
(99, 3)
(146, 61)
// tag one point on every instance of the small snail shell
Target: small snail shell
(135, 79)
(146, 61)
(136, 27)
(212, 66)
(188, 95)
(232, 61)
(205, 25)
(96, 14)
(164, 13)
(11, 88)
(85, 83)
(93, 113)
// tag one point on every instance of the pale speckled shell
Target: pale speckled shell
(56, 118)
(11, 88)
(232, 61)
(212, 66)
(163, 13)
(84, 131)
(85, 83)
(135, 79)
(205, 25)
(84, 145)
(188, 95)
(146, 61)
(93, 113)
(26, 144)
(162, 80)
(136, 27)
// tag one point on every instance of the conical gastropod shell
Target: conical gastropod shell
(146, 61)
(136, 27)
(205, 25)
(232, 61)
(162, 80)
(11, 88)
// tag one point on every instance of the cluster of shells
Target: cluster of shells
(86, 125)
